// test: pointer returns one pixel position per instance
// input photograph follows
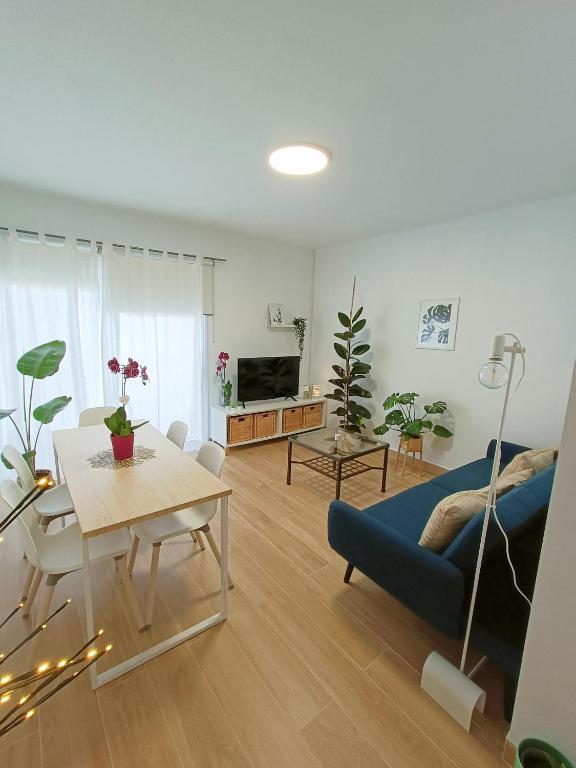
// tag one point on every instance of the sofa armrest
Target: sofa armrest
(507, 451)
(432, 587)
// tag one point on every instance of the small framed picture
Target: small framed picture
(437, 322)
(275, 314)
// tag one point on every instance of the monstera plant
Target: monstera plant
(351, 370)
(402, 417)
(38, 363)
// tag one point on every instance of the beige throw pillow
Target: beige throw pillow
(452, 513)
(536, 459)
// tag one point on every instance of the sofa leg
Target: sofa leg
(349, 569)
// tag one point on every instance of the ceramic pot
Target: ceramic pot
(122, 447)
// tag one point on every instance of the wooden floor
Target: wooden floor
(307, 671)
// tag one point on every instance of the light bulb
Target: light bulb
(493, 375)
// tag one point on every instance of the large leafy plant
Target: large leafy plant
(402, 417)
(119, 425)
(351, 370)
(38, 363)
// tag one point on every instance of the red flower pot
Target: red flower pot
(122, 447)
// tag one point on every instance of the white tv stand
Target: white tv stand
(266, 420)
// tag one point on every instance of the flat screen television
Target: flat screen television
(264, 378)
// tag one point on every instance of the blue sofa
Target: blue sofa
(382, 541)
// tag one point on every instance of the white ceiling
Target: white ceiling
(432, 109)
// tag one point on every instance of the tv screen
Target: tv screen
(264, 378)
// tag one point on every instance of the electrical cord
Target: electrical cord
(493, 505)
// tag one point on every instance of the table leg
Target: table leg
(57, 463)
(384, 470)
(338, 479)
(289, 471)
(88, 604)
(224, 556)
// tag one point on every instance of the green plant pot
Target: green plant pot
(533, 753)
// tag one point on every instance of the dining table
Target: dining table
(109, 495)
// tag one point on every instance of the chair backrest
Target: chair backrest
(20, 465)
(27, 520)
(177, 432)
(90, 417)
(211, 456)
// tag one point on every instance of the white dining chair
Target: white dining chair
(192, 520)
(57, 554)
(90, 417)
(55, 502)
(177, 432)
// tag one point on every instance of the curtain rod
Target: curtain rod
(98, 244)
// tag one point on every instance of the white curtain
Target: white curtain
(152, 312)
(49, 292)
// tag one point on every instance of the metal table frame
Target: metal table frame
(337, 466)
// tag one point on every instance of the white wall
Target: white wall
(257, 272)
(514, 270)
(546, 699)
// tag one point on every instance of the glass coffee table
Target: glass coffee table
(335, 462)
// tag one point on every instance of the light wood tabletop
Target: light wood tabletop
(108, 495)
(161, 478)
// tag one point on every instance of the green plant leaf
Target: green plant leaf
(140, 425)
(357, 314)
(331, 396)
(357, 327)
(344, 336)
(407, 398)
(360, 410)
(361, 349)
(344, 319)
(357, 391)
(337, 382)
(395, 418)
(339, 370)
(359, 367)
(340, 412)
(381, 430)
(427, 424)
(441, 431)
(413, 428)
(390, 402)
(5, 413)
(341, 351)
(42, 361)
(45, 413)
(116, 421)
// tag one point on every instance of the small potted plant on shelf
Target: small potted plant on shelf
(122, 434)
(225, 386)
(36, 364)
(131, 370)
(402, 418)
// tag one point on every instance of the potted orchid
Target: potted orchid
(131, 370)
(225, 386)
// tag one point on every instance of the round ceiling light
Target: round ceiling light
(299, 159)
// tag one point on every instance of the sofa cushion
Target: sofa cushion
(514, 510)
(536, 459)
(470, 477)
(408, 512)
(452, 513)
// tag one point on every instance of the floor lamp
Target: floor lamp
(450, 686)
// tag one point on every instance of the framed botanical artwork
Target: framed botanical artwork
(437, 321)
(275, 314)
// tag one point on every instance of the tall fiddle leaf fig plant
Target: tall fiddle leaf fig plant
(38, 363)
(350, 370)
